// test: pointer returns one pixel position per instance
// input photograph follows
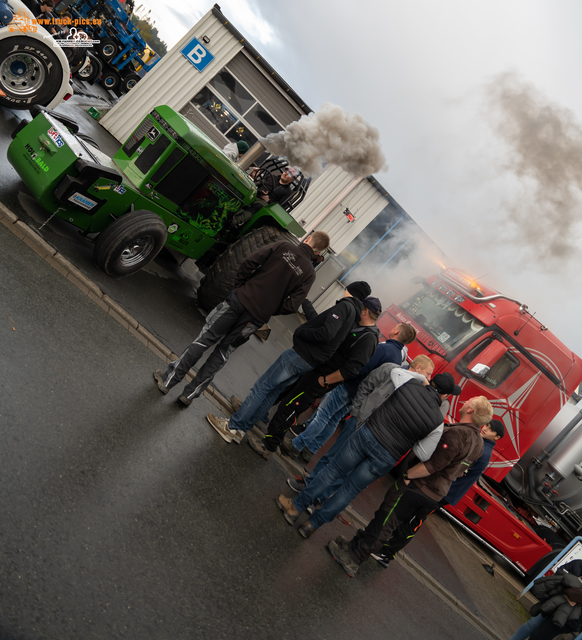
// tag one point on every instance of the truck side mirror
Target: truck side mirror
(482, 363)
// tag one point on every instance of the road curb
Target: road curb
(31, 238)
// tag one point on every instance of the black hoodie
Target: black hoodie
(319, 338)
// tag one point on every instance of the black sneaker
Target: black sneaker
(317, 504)
(184, 400)
(257, 445)
(342, 543)
(296, 483)
(306, 529)
(382, 559)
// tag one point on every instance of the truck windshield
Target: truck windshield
(442, 318)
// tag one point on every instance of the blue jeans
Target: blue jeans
(319, 428)
(347, 430)
(286, 369)
(360, 461)
(528, 628)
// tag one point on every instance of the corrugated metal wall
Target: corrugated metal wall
(329, 297)
(268, 94)
(363, 200)
(174, 80)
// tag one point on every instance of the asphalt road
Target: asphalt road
(125, 516)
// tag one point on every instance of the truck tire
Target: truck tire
(89, 73)
(129, 243)
(110, 79)
(28, 77)
(219, 281)
(130, 81)
(107, 49)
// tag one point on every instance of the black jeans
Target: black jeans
(400, 503)
(407, 529)
(547, 631)
(230, 323)
(301, 396)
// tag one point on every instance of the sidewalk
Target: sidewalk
(442, 559)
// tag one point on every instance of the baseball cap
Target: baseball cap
(498, 427)
(445, 383)
(373, 304)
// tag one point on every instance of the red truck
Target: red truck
(527, 505)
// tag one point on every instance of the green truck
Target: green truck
(168, 186)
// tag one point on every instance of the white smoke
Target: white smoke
(333, 135)
(406, 253)
(544, 142)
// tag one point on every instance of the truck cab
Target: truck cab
(493, 347)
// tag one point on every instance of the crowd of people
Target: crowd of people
(393, 409)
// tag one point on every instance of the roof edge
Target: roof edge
(217, 12)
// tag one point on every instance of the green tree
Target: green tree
(150, 34)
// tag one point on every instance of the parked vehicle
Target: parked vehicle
(169, 185)
(529, 502)
(124, 55)
(33, 68)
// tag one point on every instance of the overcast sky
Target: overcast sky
(479, 108)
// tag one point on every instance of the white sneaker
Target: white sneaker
(220, 425)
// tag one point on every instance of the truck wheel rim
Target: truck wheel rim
(109, 81)
(136, 251)
(22, 74)
(131, 84)
(86, 72)
(108, 50)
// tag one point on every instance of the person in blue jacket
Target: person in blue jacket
(406, 530)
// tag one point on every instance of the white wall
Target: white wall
(174, 80)
(328, 196)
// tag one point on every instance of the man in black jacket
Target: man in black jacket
(357, 348)
(272, 281)
(314, 342)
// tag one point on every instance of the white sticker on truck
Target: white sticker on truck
(83, 201)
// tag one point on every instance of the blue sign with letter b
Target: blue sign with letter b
(197, 54)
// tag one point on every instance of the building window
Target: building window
(232, 91)
(215, 110)
(233, 110)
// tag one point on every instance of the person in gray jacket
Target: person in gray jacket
(409, 414)
(371, 393)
